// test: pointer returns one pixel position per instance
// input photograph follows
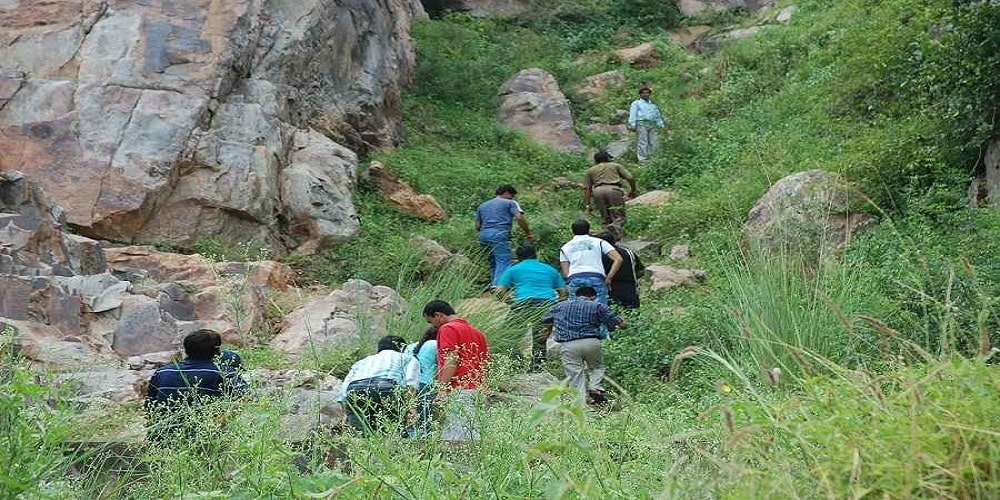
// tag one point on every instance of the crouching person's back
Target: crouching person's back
(179, 392)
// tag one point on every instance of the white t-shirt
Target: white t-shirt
(584, 254)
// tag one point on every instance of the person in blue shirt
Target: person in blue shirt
(536, 288)
(645, 119)
(182, 385)
(494, 220)
(425, 352)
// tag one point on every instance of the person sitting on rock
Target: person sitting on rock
(187, 383)
(372, 392)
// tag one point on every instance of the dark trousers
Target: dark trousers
(375, 406)
(528, 314)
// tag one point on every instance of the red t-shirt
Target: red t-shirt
(469, 343)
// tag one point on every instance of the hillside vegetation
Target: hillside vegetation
(869, 375)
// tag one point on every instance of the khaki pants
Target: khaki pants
(610, 201)
(583, 359)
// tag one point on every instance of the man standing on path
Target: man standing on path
(581, 261)
(536, 287)
(602, 183)
(462, 356)
(645, 119)
(372, 391)
(579, 325)
(494, 219)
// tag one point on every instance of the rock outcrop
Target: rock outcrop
(641, 56)
(653, 198)
(170, 121)
(338, 319)
(695, 8)
(400, 194)
(479, 8)
(667, 277)
(811, 211)
(596, 86)
(531, 101)
(985, 189)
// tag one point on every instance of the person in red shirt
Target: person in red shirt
(462, 357)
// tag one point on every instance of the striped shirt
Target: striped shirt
(184, 381)
(580, 319)
(388, 364)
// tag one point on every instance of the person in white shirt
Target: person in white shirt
(581, 262)
(372, 391)
(645, 119)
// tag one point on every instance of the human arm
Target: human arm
(660, 121)
(522, 222)
(616, 264)
(633, 115)
(446, 371)
(351, 376)
(411, 373)
(564, 266)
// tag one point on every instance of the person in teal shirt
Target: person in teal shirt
(426, 353)
(645, 119)
(536, 286)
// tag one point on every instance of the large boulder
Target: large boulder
(531, 101)
(643, 55)
(596, 86)
(666, 277)
(985, 189)
(399, 193)
(808, 212)
(688, 36)
(695, 8)
(338, 319)
(173, 121)
(31, 238)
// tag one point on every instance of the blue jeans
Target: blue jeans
(498, 242)
(575, 283)
(421, 426)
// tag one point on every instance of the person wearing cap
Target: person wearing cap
(603, 186)
(645, 119)
(494, 221)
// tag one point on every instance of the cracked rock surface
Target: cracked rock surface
(168, 121)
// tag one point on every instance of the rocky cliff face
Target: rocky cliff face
(169, 121)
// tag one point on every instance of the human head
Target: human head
(391, 343)
(606, 236)
(602, 156)
(202, 345)
(645, 92)
(431, 333)
(436, 312)
(506, 189)
(580, 227)
(586, 292)
(526, 252)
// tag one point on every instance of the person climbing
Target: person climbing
(494, 219)
(536, 287)
(578, 326)
(462, 356)
(177, 387)
(581, 261)
(372, 392)
(425, 352)
(645, 119)
(625, 285)
(602, 186)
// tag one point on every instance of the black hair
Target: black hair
(580, 227)
(526, 251)
(586, 291)
(202, 345)
(606, 236)
(391, 343)
(506, 188)
(602, 156)
(438, 306)
(430, 334)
